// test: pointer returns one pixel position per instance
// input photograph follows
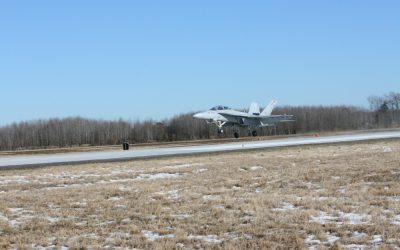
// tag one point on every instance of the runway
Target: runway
(25, 161)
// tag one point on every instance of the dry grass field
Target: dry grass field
(317, 197)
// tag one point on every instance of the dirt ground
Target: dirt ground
(330, 196)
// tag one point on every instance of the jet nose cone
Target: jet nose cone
(202, 115)
(198, 115)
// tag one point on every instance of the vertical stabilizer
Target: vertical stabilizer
(268, 110)
(254, 109)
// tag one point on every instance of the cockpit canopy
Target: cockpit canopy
(220, 107)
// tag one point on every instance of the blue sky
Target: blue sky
(154, 59)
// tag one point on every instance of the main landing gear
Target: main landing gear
(235, 134)
(253, 133)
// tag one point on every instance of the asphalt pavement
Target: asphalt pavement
(25, 161)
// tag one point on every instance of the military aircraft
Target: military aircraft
(253, 119)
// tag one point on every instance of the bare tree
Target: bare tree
(75, 131)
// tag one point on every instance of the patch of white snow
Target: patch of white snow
(359, 235)
(207, 238)
(115, 198)
(377, 240)
(396, 220)
(387, 149)
(201, 170)
(173, 194)
(256, 168)
(152, 236)
(312, 240)
(211, 197)
(323, 218)
(181, 216)
(355, 219)
(285, 206)
(157, 176)
(354, 247)
(332, 238)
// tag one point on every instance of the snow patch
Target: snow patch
(180, 245)
(126, 221)
(232, 235)
(332, 238)
(354, 247)
(157, 176)
(14, 223)
(343, 218)
(78, 204)
(53, 220)
(23, 216)
(120, 206)
(396, 198)
(342, 190)
(119, 235)
(3, 218)
(256, 168)
(222, 207)
(173, 194)
(211, 197)
(285, 206)
(5, 180)
(115, 198)
(88, 236)
(201, 170)
(207, 238)
(311, 185)
(323, 218)
(16, 210)
(181, 216)
(377, 240)
(387, 149)
(152, 236)
(355, 219)
(312, 240)
(359, 235)
(396, 220)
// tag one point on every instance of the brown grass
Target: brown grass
(332, 196)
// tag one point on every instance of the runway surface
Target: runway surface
(23, 161)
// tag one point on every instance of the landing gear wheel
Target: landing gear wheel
(236, 135)
(220, 131)
(254, 133)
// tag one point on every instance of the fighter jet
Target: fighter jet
(253, 119)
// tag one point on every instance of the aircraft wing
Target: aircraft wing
(233, 114)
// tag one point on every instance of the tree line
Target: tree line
(384, 112)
